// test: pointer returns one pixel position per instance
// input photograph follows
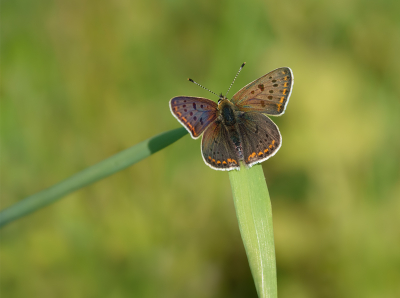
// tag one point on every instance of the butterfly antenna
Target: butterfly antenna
(244, 63)
(202, 86)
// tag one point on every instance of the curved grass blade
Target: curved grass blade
(91, 174)
(254, 213)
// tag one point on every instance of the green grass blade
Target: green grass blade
(254, 213)
(92, 174)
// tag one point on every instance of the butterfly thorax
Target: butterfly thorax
(226, 110)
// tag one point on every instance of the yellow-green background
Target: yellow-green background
(82, 80)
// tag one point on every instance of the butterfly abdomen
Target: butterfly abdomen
(235, 138)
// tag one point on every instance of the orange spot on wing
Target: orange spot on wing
(218, 162)
(286, 84)
(266, 150)
(260, 153)
(184, 119)
(179, 114)
(213, 160)
(286, 78)
(284, 91)
(232, 161)
(279, 107)
(282, 99)
(224, 162)
(272, 144)
(209, 158)
(252, 156)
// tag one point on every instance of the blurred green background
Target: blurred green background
(83, 80)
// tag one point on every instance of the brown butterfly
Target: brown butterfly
(237, 130)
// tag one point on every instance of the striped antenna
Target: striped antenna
(189, 79)
(244, 63)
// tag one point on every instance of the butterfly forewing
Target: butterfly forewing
(261, 138)
(195, 113)
(268, 94)
(218, 149)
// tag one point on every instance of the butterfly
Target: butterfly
(236, 131)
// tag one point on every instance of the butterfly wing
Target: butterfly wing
(261, 138)
(217, 149)
(194, 113)
(268, 94)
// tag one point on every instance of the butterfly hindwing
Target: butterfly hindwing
(194, 113)
(217, 148)
(261, 138)
(268, 94)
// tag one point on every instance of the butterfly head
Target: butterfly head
(221, 98)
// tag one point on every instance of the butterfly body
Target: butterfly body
(228, 115)
(237, 131)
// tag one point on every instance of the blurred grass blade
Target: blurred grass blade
(92, 174)
(254, 213)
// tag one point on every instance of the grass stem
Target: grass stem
(254, 213)
(90, 175)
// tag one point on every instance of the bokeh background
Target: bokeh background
(83, 80)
